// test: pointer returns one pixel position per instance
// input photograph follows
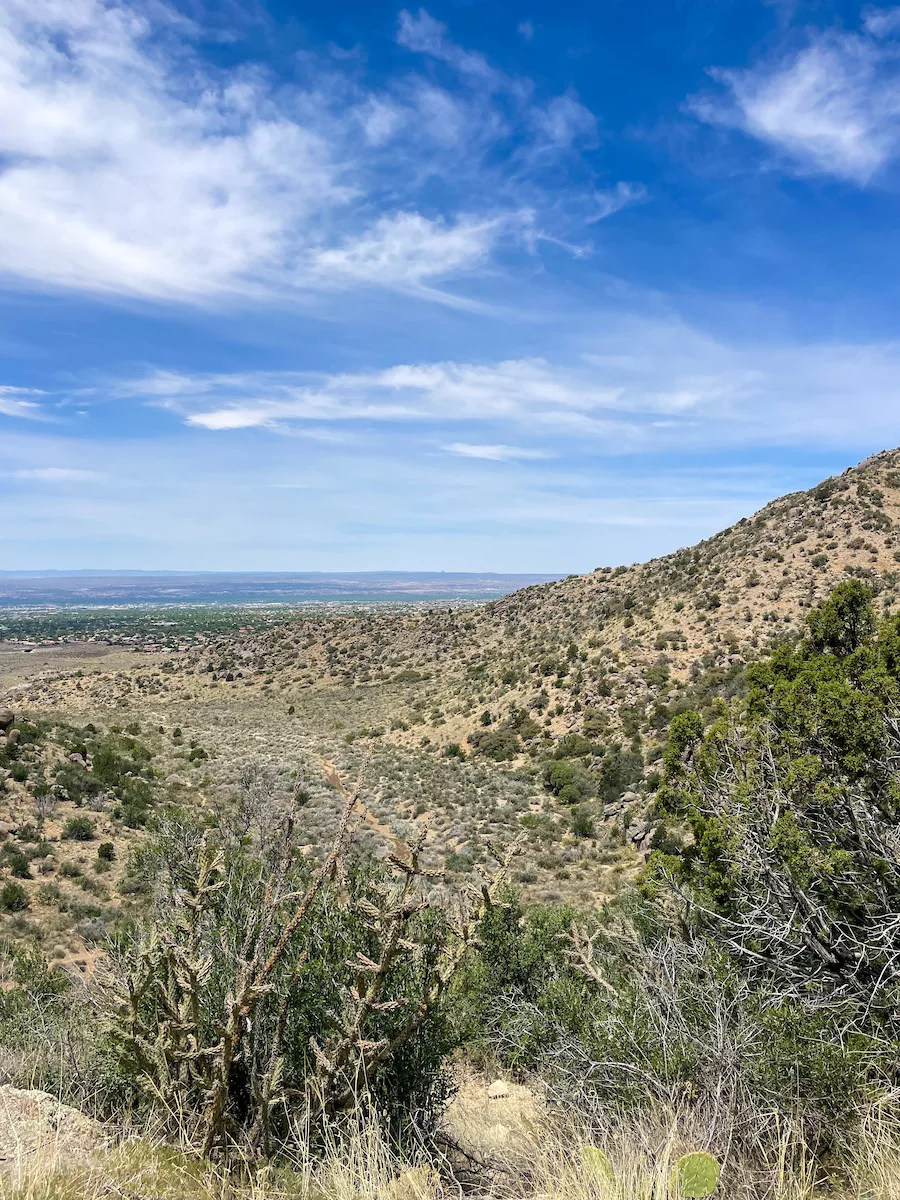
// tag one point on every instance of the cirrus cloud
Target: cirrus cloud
(832, 107)
(59, 475)
(130, 165)
(498, 453)
(14, 402)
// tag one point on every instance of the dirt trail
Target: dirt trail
(333, 778)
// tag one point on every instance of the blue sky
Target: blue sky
(483, 285)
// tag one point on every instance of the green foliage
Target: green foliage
(620, 770)
(17, 861)
(520, 969)
(499, 745)
(696, 1175)
(582, 822)
(258, 977)
(572, 745)
(595, 1162)
(793, 797)
(595, 724)
(79, 829)
(844, 621)
(13, 897)
(568, 780)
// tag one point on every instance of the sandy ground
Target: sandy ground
(18, 667)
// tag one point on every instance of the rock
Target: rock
(636, 831)
(12, 737)
(498, 1090)
(630, 798)
(35, 1129)
(6, 719)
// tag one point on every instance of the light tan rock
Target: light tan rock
(498, 1090)
(36, 1130)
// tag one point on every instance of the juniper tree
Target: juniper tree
(793, 796)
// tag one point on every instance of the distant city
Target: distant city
(43, 589)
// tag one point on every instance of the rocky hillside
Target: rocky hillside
(568, 688)
(608, 655)
(611, 649)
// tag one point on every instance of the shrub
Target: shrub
(500, 745)
(106, 851)
(18, 863)
(13, 898)
(572, 745)
(582, 822)
(79, 829)
(619, 771)
(568, 780)
(792, 798)
(318, 984)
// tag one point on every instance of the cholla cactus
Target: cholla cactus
(348, 1060)
(205, 999)
(185, 1055)
(696, 1175)
(158, 993)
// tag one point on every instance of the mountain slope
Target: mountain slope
(616, 638)
(605, 654)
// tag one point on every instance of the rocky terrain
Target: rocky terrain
(543, 714)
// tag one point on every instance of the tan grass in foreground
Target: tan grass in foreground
(544, 1161)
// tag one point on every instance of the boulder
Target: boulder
(12, 737)
(6, 719)
(38, 1132)
(636, 831)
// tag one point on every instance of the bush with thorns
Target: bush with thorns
(267, 995)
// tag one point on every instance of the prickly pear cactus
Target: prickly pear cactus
(696, 1175)
(595, 1161)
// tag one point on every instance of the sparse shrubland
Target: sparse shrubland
(745, 989)
(694, 952)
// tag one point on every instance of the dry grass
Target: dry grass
(542, 1160)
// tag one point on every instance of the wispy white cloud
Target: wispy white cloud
(125, 172)
(59, 475)
(423, 34)
(416, 391)
(881, 22)
(563, 121)
(411, 252)
(615, 199)
(832, 107)
(132, 166)
(494, 453)
(635, 385)
(14, 402)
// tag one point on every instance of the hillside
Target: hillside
(612, 648)
(544, 713)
